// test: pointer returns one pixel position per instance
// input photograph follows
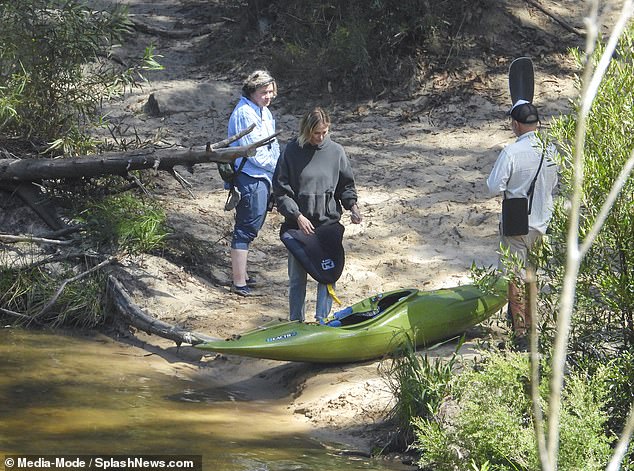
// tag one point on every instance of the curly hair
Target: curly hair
(257, 79)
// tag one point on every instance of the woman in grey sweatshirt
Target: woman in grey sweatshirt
(313, 183)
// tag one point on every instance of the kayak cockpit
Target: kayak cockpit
(368, 308)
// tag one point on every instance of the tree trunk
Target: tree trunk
(120, 163)
(134, 316)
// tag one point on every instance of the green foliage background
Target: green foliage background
(488, 420)
(44, 49)
(55, 70)
(603, 320)
(363, 47)
(605, 288)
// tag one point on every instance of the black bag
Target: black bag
(321, 254)
(515, 216)
(227, 172)
(515, 211)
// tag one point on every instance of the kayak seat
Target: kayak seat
(356, 318)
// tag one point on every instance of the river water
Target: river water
(68, 394)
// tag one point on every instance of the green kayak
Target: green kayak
(370, 328)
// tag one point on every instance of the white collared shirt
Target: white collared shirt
(262, 164)
(514, 171)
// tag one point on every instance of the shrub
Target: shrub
(605, 285)
(489, 420)
(55, 68)
(602, 326)
(361, 47)
(419, 385)
(124, 222)
(28, 291)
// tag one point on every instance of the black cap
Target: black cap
(524, 112)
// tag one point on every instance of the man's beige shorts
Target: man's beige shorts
(521, 246)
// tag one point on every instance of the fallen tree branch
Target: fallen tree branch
(32, 195)
(82, 256)
(181, 180)
(19, 176)
(121, 163)
(567, 26)
(66, 231)
(16, 314)
(142, 321)
(138, 184)
(37, 240)
(173, 33)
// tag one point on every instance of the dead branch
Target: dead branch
(66, 231)
(16, 314)
(19, 176)
(567, 26)
(32, 195)
(82, 256)
(37, 240)
(181, 180)
(173, 33)
(142, 321)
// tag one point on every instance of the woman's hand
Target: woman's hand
(355, 217)
(305, 225)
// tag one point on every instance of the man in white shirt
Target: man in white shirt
(514, 170)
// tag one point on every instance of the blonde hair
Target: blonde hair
(312, 119)
(258, 79)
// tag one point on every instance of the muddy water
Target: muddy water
(63, 395)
